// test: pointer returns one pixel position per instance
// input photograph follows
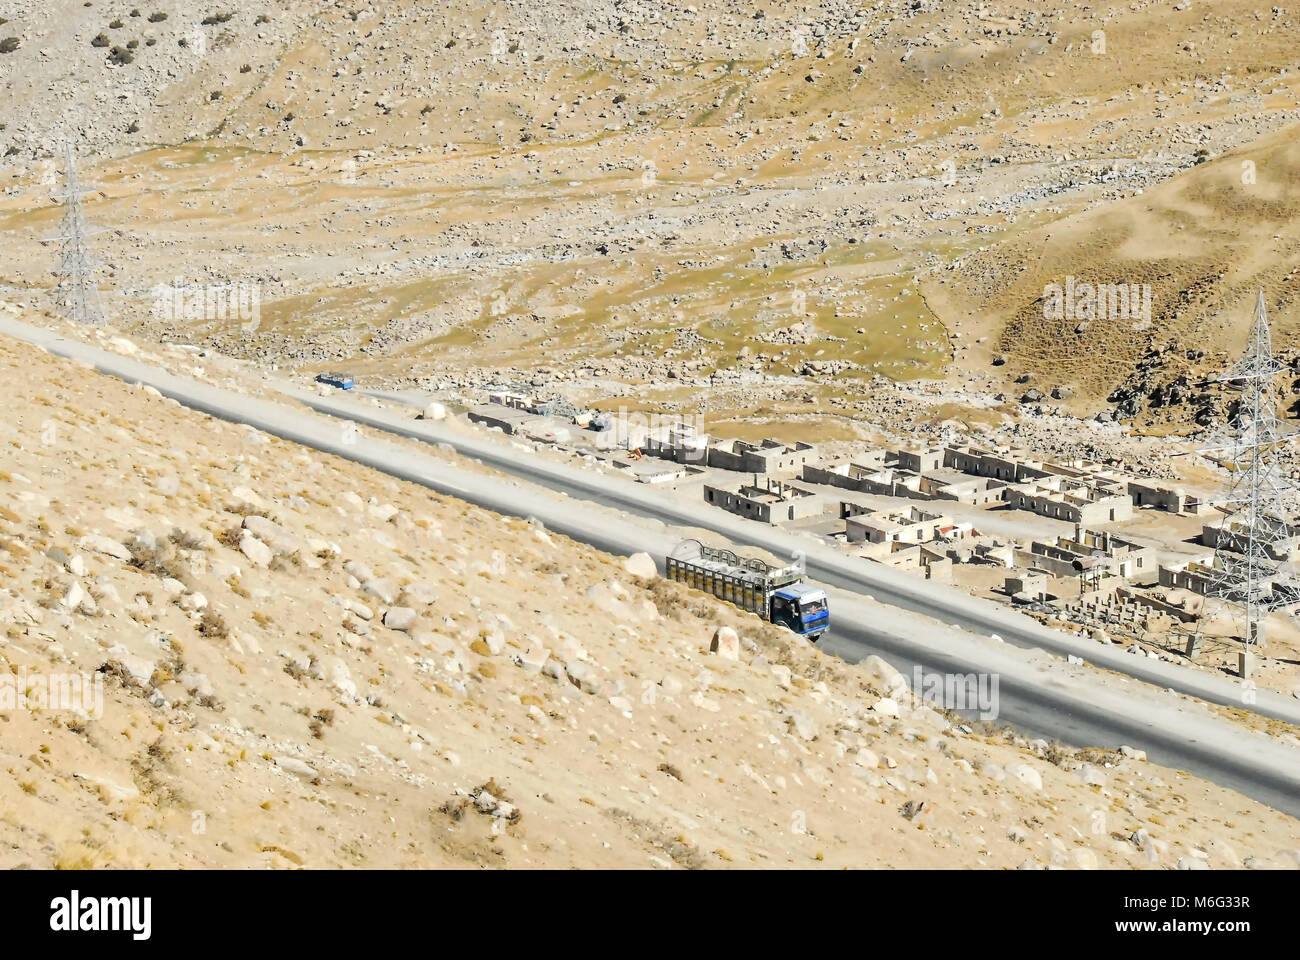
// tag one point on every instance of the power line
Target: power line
(1254, 542)
(76, 294)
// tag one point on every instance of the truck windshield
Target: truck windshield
(812, 609)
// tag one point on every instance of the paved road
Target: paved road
(1038, 693)
(942, 602)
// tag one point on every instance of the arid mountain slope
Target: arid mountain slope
(1206, 242)
(308, 664)
(649, 198)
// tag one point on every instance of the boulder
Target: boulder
(359, 608)
(358, 570)
(1092, 776)
(418, 595)
(641, 565)
(336, 674)
(297, 767)
(890, 679)
(399, 618)
(725, 643)
(105, 545)
(583, 676)
(258, 553)
(886, 707)
(382, 588)
(280, 540)
(192, 602)
(1026, 775)
(75, 594)
(802, 725)
(244, 499)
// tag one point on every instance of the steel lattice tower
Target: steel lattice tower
(76, 294)
(1250, 565)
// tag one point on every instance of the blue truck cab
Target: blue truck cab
(801, 608)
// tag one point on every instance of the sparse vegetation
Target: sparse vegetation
(9, 44)
(101, 40)
(213, 624)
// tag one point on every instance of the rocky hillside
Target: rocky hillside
(1205, 243)
(300, 662)
(657, 198)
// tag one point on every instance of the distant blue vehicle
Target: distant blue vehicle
(340, 380)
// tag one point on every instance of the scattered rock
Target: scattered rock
(725, 643)
(641, 565)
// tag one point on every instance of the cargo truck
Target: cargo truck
(777, 594)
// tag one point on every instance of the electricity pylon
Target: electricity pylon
(76, 294)
(1251, 560)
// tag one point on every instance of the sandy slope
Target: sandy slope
(281, 722)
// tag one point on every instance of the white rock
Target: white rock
(1026, 775)
(280, 540)
(1092, 776)
(73, 597)
(139, 669)
(886, 707)
(359, 570)
(533, 657)
(105, 545)
(258, 553)
(399, 618)
(382, 588)
(641, 565)
(866, 758)
(583, 676)
(382, 511)
(337, 675)
(891, 680)
(418, 595)
(242, 497)
(725, 643)
(192, 602)
(803, 726)
(296, 767)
